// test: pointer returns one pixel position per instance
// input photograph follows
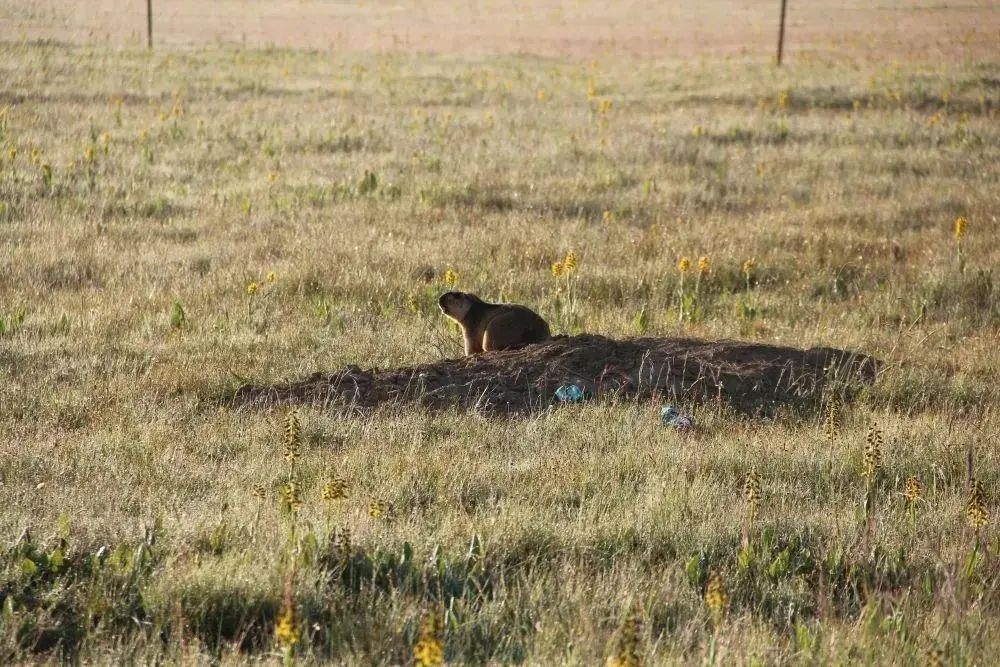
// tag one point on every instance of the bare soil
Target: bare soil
(750, 377)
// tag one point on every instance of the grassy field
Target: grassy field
(173, 224)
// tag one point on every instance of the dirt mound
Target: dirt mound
(751, 377)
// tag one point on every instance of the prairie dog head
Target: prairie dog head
(457, 305)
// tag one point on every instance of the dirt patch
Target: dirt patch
(750, 377)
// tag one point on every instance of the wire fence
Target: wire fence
(586, 28)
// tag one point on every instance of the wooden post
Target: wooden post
(781, 31)
(149, 25)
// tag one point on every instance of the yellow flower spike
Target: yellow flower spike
(429, 649)
(293, 436)
(557, 269)
(540, 94)
(716, 597)
(286, 629)
(569, 263)
(960, 224)
(89, 153)
(684, 265)
(831, 421)
(335, 489)
(628, 644)
(873, 453)
(270, 277)
(914, 489)
(252, 287)
(450, 277)
(935, 657)
(751, 491)
(975, 508)
(291, 497)
(749, 266)
(704, 265)
(12, 154)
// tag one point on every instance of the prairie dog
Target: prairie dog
(493, 326)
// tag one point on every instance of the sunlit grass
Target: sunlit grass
(175, 224)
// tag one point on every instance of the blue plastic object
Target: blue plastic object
(569, 393)
(671, 416)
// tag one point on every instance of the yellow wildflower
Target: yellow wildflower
(628, 644)
(429, 649)
(286, 630)
(379, 509)
(975, 508)
(873, 453)
(716, 597)
(291, 497)
(914, 489)
(293, 436)
(960, 225)
(335, 489)
(569, 263)
(751, 491)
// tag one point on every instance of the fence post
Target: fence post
(781, 31)
(149, 24)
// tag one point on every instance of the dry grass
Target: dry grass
(886, 31)
(149, 190)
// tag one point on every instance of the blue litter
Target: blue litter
(671, 416)
(569, 393)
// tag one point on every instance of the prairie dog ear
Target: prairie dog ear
(455, 305)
